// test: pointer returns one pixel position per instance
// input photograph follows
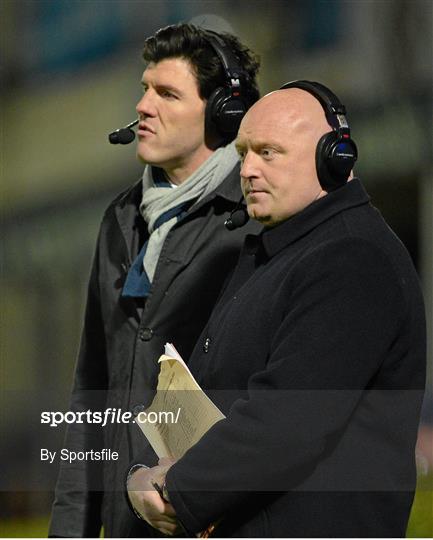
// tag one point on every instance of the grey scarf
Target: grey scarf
(158, 200)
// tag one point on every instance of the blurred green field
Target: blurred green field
(421, 518)
(29, 528)
(16, 528)
(420, 523)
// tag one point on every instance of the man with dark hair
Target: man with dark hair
(162, 256)
(315, 352)
(192, 44)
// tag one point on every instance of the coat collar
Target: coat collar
(229, 189)
(127, 204)
(275, 239)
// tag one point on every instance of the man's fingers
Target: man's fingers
(169, 510)
(165, 527)
(164, 531)
(163, 518)
(147, 501)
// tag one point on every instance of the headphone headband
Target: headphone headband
(336, 152)
(228, 60)
(333, 107)
(226, 105)
(328, 99)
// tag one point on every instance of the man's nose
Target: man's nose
(249, 167)
(146, 105)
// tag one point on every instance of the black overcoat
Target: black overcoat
(316, 353)
(122, 341)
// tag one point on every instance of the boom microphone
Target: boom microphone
(238, 217)
(123, 135)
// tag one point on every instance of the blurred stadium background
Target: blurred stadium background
(70, 74)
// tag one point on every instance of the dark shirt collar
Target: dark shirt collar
(276, 238)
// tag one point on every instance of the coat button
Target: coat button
(137, 410)
(206, 345)
(145, 334)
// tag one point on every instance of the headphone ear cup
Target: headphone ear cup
(335, 158)
(224, 111)
(212, 107)
(323, 173)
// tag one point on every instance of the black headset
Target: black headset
(226, 105)
(336, 152)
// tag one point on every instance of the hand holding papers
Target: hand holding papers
(183, 410)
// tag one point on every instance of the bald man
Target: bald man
(315, 353)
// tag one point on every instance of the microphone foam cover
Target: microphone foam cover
(121, 136)
(238, 219)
